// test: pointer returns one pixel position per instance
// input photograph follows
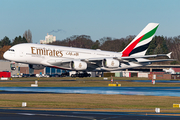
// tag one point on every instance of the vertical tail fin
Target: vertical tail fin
(140, 43)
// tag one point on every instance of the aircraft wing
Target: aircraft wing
(146, 56)
(71, 63)
(78, 64)
(61, 63)
(93, 63)
(57, 61)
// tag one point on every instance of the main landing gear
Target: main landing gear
(78, 74)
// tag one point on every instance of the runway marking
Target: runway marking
(108, 118)
(50, 115)
(26, 114)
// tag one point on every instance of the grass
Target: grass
(89, 101)
(82, 83)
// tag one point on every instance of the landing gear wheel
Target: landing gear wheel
(73, 75)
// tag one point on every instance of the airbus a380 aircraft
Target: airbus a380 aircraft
(78, 59)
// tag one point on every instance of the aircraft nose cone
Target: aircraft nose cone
(5, 55)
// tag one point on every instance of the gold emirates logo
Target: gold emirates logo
(80, 65)
(44, 51)
(112, 63)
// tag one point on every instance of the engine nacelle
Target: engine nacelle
(36, 67)
(111, 63)
(79, 65)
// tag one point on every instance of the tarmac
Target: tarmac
(14, 114)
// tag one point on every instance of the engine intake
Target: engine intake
(111, 63)
(79, 65)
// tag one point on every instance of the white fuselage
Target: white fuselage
(40, 54)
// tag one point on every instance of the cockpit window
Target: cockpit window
(11, 50)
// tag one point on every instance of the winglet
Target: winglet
(169, 55)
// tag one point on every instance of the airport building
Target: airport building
(25, 69)
(48, 39)
(19, 69)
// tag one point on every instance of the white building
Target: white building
(48, 39)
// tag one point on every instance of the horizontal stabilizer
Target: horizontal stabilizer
(159, 60)
(146, 56)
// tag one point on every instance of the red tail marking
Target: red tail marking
(127, 51)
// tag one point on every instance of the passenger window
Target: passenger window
(11, 50)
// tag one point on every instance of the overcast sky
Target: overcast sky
(96, 18)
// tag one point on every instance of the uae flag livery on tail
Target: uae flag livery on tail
(140, 43)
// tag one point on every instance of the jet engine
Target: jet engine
(79, 65)
(111, 63)
(36, 67)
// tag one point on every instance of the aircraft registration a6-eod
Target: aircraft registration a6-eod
(78, 59)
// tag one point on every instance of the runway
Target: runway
(153, 91)
(9, 114)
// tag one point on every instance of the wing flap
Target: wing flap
(55, 61)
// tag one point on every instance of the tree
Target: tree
(5, 41)
(174, 47)
(164, 47)
(28, 36)
(96, 45)
(151, 47)
(18, 40)
(80, 41)
(104, 39)
(109, 44)
(3, 50)
(157, 46)
(122, 46)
